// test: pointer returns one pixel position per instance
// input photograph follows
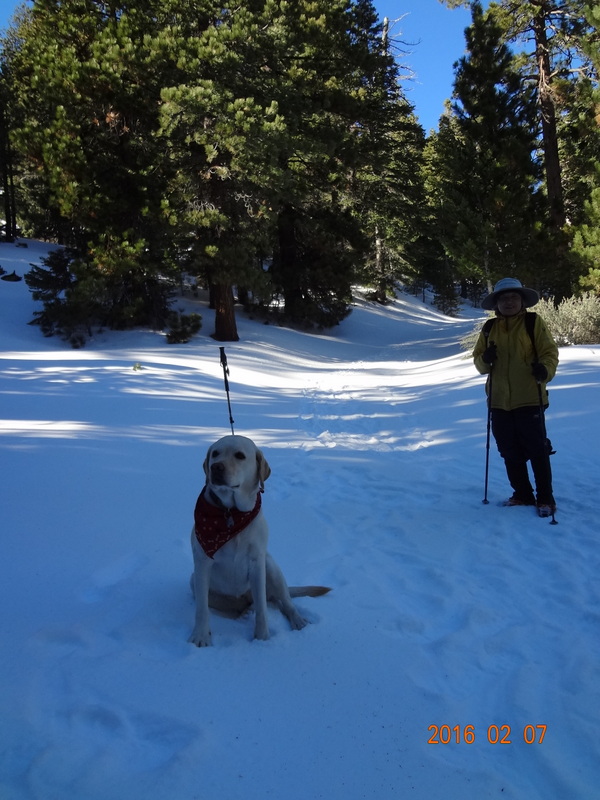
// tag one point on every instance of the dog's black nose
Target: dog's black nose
(217, 471)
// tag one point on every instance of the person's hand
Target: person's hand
(490, 354)
(539, 371)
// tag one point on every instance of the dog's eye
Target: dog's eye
(215, 454)
(241, 456)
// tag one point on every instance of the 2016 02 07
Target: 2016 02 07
(496, 734)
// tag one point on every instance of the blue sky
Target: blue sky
(431, 35)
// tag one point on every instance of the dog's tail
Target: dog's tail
(308, 591)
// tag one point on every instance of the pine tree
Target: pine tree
(220, 127)
(550, 37)
(218, 137)
(288, 98)
(332, 61)
(484, 174)
(388, 194)
(586, 242)
(84, 104)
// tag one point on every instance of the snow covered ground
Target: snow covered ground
(449, 619)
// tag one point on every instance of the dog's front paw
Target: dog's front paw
(297, 622)
(201, 639)
(261, 631)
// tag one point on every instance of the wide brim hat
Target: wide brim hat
(530, 296)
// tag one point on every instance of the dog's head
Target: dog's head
(235, 471)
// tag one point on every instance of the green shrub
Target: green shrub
(54, 285)
(182, 327)
(76, 294)
(446, 300)
(469, 341)
(576, 320)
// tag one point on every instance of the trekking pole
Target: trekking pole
(487, 442)
(545, 435)
(225, 374)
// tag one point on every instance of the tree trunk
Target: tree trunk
(288, 267)
(381, 291)
(10, 231)
(548, 112)
(563, 281)
(225, 325)
(243, 296)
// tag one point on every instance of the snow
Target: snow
(444, 611)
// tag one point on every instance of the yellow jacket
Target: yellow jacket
(513, 385)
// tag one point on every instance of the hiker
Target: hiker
(519, 356)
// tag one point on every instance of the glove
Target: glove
(490, 354)
(539, 371)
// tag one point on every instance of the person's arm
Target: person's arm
(483, 354)
(547, 351)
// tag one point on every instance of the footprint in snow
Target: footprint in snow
(106, 578)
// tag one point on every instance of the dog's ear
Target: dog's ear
(205, 465)
(264, 470)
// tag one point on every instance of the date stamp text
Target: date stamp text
(495, 734)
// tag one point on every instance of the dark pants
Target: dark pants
(521, 437)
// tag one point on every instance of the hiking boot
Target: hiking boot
(515, 500)
(546, 509)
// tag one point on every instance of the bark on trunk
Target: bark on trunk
(225, 324)
(381, 291)
(288, 268)
(10, 220)
(549, 134)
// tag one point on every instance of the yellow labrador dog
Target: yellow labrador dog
(232, 568)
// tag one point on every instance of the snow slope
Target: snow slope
(444, 611)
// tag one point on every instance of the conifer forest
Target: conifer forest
(265, 151)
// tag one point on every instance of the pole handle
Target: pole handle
(226, 382)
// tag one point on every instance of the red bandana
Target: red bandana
(216, 526)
